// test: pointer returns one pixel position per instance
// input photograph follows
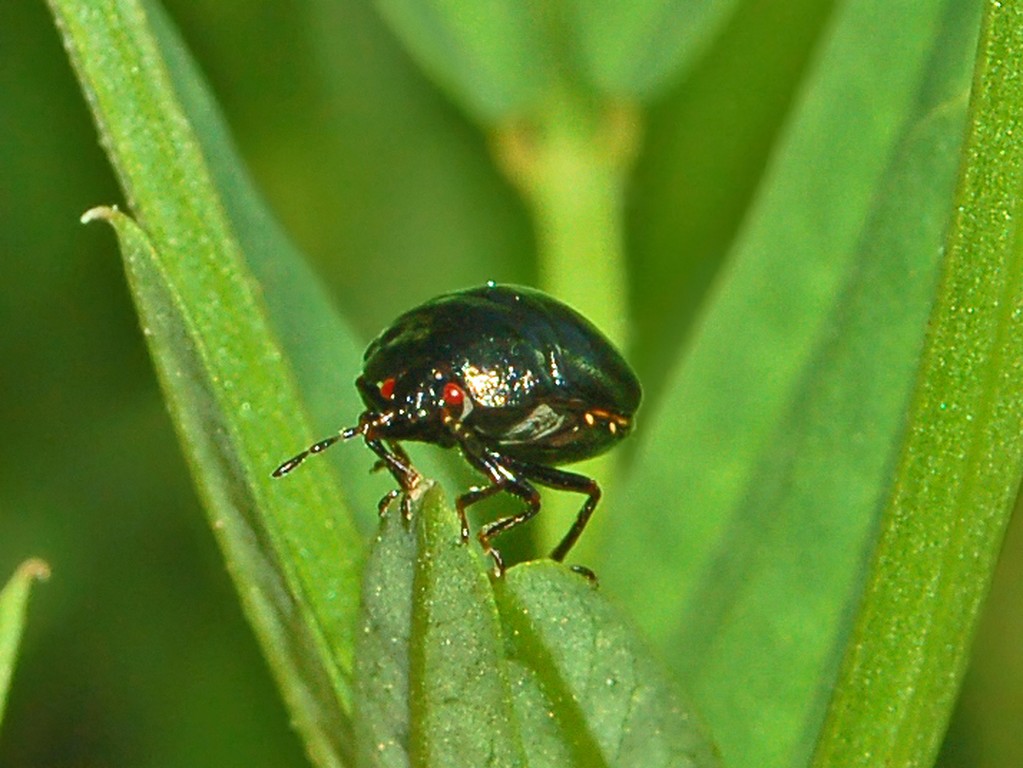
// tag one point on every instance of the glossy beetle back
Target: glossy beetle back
(545, 385)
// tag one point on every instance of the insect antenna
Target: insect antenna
(318, 447)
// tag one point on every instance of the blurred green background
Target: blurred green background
(136, 652)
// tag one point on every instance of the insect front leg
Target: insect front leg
(397, 462)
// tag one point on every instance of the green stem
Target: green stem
(963, 454)
(571, 164)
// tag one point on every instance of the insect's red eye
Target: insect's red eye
(387, 388)
(453, 394)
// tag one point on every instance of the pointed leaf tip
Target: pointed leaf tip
(13, 604)
(99, 213)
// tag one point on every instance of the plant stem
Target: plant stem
(571, 165)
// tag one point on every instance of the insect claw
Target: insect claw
(386, 500)
(498, 562)
(586, 573)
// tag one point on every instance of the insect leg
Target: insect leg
(469, 498)
(501, 479)
(561, 480)
(527, 493)
(398, 464)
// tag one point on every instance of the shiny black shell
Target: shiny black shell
(541, 384)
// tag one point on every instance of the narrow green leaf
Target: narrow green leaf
(783, 423)
(231, 397)
(191, 184)
(632, 48)
(320, 345)
(773, 306)
(322, 348)
(430, 680)
(13, 604)
(324, 351)
(382, 716)
(962, 460)
(607, 696)
(290, 546)
(456, 682)
(489, 55)
(705, 147)
(196, 211)
(289, 560)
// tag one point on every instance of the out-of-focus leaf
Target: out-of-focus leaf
(491, 56)
(739, 538)
(631, 47)
(961, 462)
(13, 604)
(437, 684)
(502, 59)
(705, 147)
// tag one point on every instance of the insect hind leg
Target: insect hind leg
(561, 480)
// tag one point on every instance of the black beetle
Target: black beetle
(517, 380)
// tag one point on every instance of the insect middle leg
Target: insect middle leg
(501, 479)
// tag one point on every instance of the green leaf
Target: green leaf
(780, 428)
(705, 148)
(962, 460)
(13, 604)
(430, 686)
(291, 556)
(557, 678)
(610, 700)
(320, 345)
(632, 48)
(502, 60)
(382, 717)
(291, 547)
